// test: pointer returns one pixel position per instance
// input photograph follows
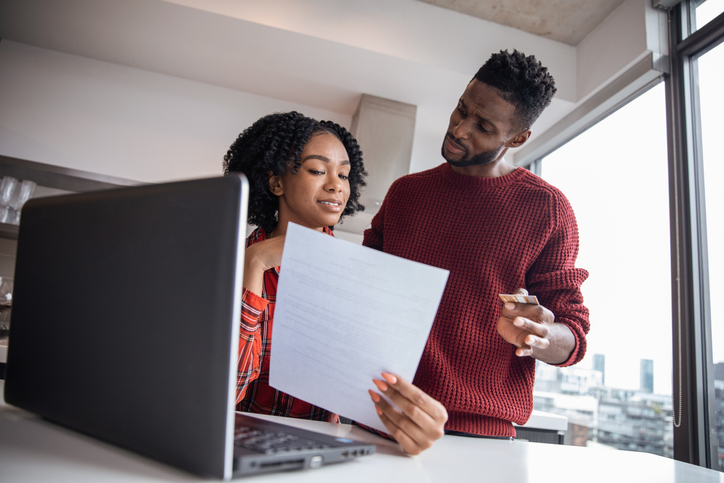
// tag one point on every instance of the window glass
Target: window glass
(616, 177)
(707, 11)
(711, 70)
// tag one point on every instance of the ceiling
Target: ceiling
(567, 21)
(246, 58)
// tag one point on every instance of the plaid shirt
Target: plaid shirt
(253, 392)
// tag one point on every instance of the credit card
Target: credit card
(521, 299)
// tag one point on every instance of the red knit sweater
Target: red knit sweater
(494, 235)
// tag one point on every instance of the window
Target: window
(616, 177)
(711, 70)
(705, 11)
(697, 31)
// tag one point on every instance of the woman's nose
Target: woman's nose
(334, 183)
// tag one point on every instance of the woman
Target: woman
(308, 172)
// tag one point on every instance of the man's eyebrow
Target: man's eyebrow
(324, 159)
(481, 119)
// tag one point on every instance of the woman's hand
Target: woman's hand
(422, 419)
(259, 258)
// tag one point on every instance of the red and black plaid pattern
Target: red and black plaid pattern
(253, 392)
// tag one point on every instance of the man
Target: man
(497, 228)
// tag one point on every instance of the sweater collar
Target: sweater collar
(464, 181)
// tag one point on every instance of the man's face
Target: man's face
(481, 128)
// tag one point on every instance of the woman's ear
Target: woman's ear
(275, 184)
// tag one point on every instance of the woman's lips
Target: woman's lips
(332, 205)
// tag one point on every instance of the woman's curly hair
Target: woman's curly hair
(274, 143)
(522, 81)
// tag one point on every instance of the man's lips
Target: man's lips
(452, 147)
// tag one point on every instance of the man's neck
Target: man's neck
(489, 170)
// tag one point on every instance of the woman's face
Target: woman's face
(317, 194)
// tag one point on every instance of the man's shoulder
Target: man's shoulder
(420, 177)
(535, 183)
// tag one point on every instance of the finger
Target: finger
(536, 342)
(423, 426)
(412, 442)
(531, 326)
(520, 291)
(411, 419)
(412, 397)
(524, 351)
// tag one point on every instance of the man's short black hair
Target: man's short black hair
(274, 143)
(522, 81)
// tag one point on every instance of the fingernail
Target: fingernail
(389, 378)
(380, 385)
(379, 411)
(375, 397)
(518, 323)
(509, 305)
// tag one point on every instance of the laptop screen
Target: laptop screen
(125, 317)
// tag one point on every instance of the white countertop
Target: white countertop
(34, 450)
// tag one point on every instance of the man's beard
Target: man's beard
(480, 158)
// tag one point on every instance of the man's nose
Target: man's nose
(461, 129)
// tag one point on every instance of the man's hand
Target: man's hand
(422, 419)
(532, 329)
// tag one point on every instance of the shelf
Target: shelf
(58, 177)
(54, 180)
(8, 231)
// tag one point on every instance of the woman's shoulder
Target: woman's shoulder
(256, 236)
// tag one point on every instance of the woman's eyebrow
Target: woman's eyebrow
(324, 159)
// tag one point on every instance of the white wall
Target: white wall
(155, 90)
(627, 35)
(81, 113)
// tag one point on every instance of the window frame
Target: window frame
(695, 437)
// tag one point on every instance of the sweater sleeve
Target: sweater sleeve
(556, 281)
(374, 235)
(249, 360)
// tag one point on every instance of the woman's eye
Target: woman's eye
(343, 176)
(314, 171)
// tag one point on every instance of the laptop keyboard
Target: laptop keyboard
(272, 442)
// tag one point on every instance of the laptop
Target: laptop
(125, 324)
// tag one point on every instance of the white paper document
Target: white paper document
(344, 314)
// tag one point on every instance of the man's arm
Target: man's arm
(533, 330)
(556, 331)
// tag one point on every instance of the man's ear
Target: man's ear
(275, 184)
(518, 139)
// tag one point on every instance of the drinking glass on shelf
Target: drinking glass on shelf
(26, 190)
(7, 188)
